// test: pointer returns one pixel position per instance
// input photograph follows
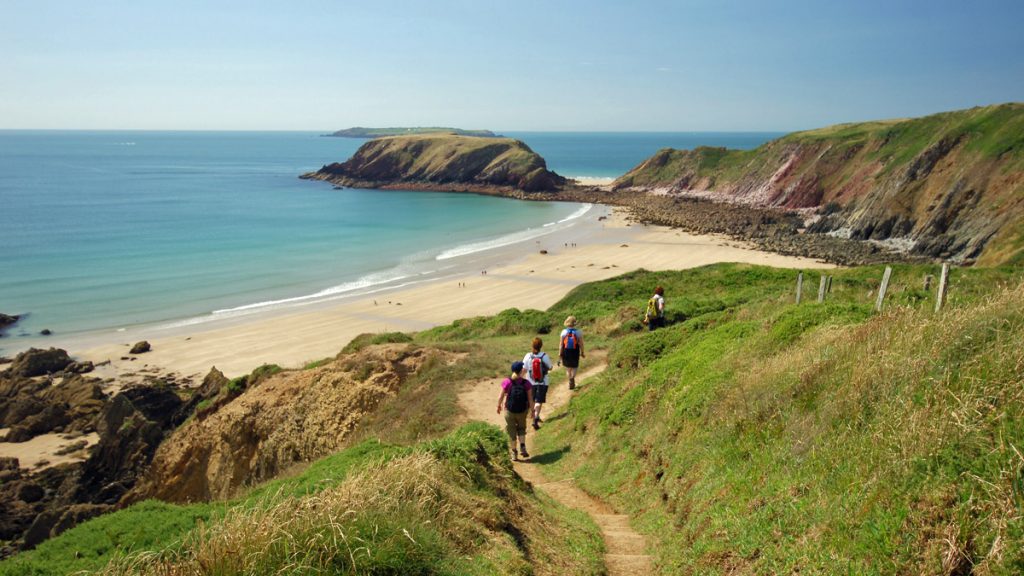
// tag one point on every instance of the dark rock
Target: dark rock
(140, 348)
(53, 417)
(132, 425)
(6, 321)
(35, 362)
(45, 332)
(80, 367)
(212, 384)
(40, 529)
(30, 493)
(76, 514)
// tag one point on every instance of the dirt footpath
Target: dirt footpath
(625, 548)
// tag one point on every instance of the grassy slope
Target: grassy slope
(848, 161)
(992, 133)
(751, 436)
(757, 436)
(449, 506)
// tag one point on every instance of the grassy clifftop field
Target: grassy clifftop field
(360, 132)
(752, 435)
(949, 185)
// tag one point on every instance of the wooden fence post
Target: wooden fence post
(799, 286)
(940, 298)
(828, 286)
(927, 282)
(883, 288)
(821, 289)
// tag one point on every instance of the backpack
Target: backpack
(571, 340)
(538, 369)
(652, 308)
(517, 401)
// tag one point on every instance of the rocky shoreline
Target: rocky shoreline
(109, 430)
(779, 231)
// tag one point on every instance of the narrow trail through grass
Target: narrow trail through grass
(625, 549)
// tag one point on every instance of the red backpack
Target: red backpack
(538, 369)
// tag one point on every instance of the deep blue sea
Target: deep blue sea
(105, 230)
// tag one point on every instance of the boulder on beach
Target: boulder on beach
(36, 362)
(140, 347)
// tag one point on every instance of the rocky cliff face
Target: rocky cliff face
(947, 186)
(289, 418)
(443, 162)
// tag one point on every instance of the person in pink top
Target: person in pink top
(517, 400)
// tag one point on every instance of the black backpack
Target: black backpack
(517, 400)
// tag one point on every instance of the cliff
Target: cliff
(948, 186)
(443, 162)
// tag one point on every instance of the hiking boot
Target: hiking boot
(572, 383)
(515, 455)
(522, 450)
(536, 423)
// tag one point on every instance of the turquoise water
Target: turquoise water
(104, 230)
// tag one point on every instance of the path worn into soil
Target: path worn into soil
(625, 549)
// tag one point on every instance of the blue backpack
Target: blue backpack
(571, 340)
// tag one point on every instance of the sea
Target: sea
(101, 231)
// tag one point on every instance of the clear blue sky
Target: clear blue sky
(513, 65)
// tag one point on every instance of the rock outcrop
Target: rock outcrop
(6, 321)
(285, 419)
(947, 186)
(35, 362)
(130, 425)
(443, 162)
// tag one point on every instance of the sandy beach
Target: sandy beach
(599, 249)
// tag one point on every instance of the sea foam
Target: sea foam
(513, 238)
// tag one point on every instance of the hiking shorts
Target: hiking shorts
(540, 393)
(571, 358)
(515, 425)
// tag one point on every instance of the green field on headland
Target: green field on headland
(360, 132)
(752, 435)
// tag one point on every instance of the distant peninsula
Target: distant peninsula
(444, 162)
(360, 132)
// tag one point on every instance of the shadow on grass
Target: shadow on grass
(550, 457)
(558, 416)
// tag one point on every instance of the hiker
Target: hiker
(654, 317)
(516, 397)
(538, 364)
(570, 349)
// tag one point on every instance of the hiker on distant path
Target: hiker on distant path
(570, 349)
(538, 364)
(654, 317)
(516, 397)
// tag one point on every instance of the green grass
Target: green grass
(448, 506)
(761, 437)
(752, 435)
